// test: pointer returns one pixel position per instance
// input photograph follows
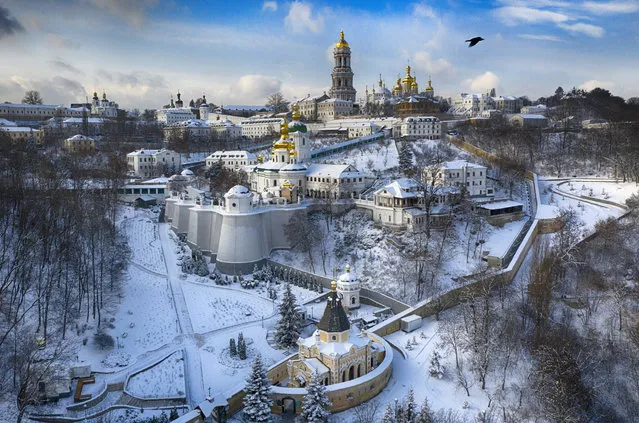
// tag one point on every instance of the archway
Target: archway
(359, 370)
(351, 372)
(288, 406)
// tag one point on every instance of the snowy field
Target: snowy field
(164, 380)
(375, 156)
(611, 191)
(499, 239)
(213, 307)
(142, 234)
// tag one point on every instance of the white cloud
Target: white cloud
(512, 15)
(612, 7)
(484, 82)
(133, 12)
(583, 28)
(540, 37)
(270, 6)
(56, 40)
(257, 87)
(593, 83)
(300, 19)
(420, 10)
(438, 67)
(57, 90)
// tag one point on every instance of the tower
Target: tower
(204, 109)
(342, 86)
(179, 103)
(348, 289)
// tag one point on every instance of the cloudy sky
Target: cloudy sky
(238, 52)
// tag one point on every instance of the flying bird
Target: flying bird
(474, 41)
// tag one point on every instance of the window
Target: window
(333, 338)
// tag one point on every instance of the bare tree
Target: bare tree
(32, 97)
(277, 102)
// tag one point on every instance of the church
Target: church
(336, 351)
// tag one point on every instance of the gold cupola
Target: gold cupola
(296, 112)
(407, 79)
(342, 42)
(430, 87)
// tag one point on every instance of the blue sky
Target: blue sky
(238, 52)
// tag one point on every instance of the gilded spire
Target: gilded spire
(342, 42)
(103, 95)
(380, 80)
(284, 130)
(296, 112)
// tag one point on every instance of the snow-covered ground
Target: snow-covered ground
(164, 380)
(380, 155)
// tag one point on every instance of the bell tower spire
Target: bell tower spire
(342, 75)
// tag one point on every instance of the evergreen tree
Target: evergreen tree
(241, 346)
(315, 402)
(232, 347)
(257, 401)
(405, 158)
(173, 415)
(436, 369)
(399, 412)
(410, 408)
(425, 414)
(389, 415)
(290, 324)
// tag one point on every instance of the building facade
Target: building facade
(468, 177)
(103, 108)
(342, 75)
(416, 105)
(331, 181)
(260, 127)
(37, 113)
(79, 144)
(151, 163)
(234, 160)
(421, 127)
(333, 108)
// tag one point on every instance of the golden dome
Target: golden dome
(430, 87)
(103, 95)
(284, 130)
(296, 112)
(288, 184)
(342, 42)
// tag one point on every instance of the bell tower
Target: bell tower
(342, 75)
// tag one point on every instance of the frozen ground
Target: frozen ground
(164, 380)
(375, 156)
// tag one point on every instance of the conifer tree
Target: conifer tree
(232, 347)
(257, 401)
(290, 324)
(425, 414)
(389, 415)
(405, 158)
(315, 402)
(410, 408)
(241, 346)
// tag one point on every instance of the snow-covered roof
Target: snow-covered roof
(403, 188)
(238, 191)
(459, 164)
(143, 152)
(159, 180)
(348, 276)
(335, 100)
(187, 172)
(17, 129)
(355, 339)
(5, 122)
(531, 116)
(80, 137)
(411, 318)
(316, 366)
(421, 119)
(332, 171)
(293, 167)
(498, 205)
(232, 154)
(80, 120)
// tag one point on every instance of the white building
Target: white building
(529, 121)
(362, 129)
(224, 129)
(539, 109)
(22, 134)
(308, 106)
(348, 287)
(196, 128)
(334, 181)
(471, 105)
(508, 104)
(37, 113)
(233, 160)
(150, 163)
(103, 108)
(466, 176)
(423, 127)
(260, 127)
(333, 108)
(174, 115)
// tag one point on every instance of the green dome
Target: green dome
(297, 126)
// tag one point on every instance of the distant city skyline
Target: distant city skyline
(142, 52)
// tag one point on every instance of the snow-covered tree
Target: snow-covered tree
(410, 408)
(406, 158)
(232, 347)
(436, 369)
(290, 324)
(425, 414)
(257, 401)
(315, 402)
(241, 346)
(389, 415)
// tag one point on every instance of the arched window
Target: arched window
(352, 300)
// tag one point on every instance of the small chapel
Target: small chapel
(336, 351)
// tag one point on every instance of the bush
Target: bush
(103, 340)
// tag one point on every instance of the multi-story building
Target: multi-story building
(151, 163)
(308, 106)
(103, 108)
(260, 127)
(334, 181)
(79, 144)
(35, 114)
(470, 105)
(342, 75)
(508, 104)
(422, 127)
(362, 129)
(468, 177)
(195, 128)
(333, 108)
(22, 134)
(233, 160)
(416, 105)
(224, 129)
(529, 121)
(175, 113)
(539, 109)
